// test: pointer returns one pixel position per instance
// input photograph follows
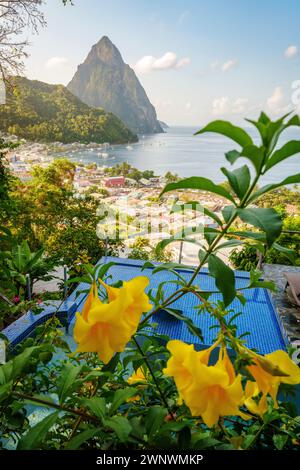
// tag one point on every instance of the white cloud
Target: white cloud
(231, 63)
(239, 105)
(167, 61)
(188, 106)
(290, 52)
(275, 101)
(220, 105)
(225, 66)
(54, 62)
(225, 105)
(183, 62)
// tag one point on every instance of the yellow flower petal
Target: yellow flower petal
(137, 376)
(282, 360)
(106, 328)
(210, 391)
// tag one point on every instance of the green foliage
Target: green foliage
(285, 251)
(66, 225)
(95, 407)
(40, 112)
(100, 410)
(125, 169)
(225, 280)
(21, 261)
(171, 177)
(6, 180)
(244, 259)
(143, 250)
(281, 197)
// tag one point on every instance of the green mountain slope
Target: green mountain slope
(38, 111)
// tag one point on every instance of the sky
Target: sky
(198, 60)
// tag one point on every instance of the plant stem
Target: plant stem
(153, 377)
(179, 293)
(224, 230)
(257, 435)
(80, 418)
(43, 401)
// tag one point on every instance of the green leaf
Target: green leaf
(232, 156)
(35, 436)
(121, 396)
(155, 419)
(5, 390)
(228, 212)
(294, 179)
(171, 266)
(164, 243)
(241, 298)
(120, 426)
(239, 180)
(259, 236)
(280, 440)
(249, 440)
(82, 437)
(228, 130)
(213, 216)
(184, 438)
(267, 220)
(21, 361)
(261, 127)
(224, 277)
(288, 252)
(104, 268)
(193, 329)
(290, 148)
(200, 183)
(6, 372)
(34, 258)
(275, 129)
(210, 234)
(255, 154)
(228, 244)
(257, 282)
(264, 119)
(66, 380)
(97, 406)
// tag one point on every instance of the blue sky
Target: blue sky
(196, 59)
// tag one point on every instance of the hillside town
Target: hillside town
(134, 204)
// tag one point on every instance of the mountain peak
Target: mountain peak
(105, 51)
(104, 80)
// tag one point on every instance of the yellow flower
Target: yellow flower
(208, 391)
(137, 376)
(106, 328)
(269, 372)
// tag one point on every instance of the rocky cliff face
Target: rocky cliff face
(104, 80)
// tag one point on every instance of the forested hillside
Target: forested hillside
(38, 111)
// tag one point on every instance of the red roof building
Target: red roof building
(115, 182)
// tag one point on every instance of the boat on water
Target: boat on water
(103, 155)
(129, 147)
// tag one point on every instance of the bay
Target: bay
(181, 152)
